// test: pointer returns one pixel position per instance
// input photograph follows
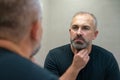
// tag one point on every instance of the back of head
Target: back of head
(16, 17)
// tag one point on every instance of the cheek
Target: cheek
(40, 31)
(72, 35)
(89, 36)
(40, 34)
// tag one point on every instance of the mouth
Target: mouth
(79, 41)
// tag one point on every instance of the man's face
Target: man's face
(82, 31)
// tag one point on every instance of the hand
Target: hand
(80, 59)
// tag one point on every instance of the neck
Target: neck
(13, 47)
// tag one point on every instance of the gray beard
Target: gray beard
(79, 46)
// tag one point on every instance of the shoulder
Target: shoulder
(14, 67)
(105, 59)
(60, 49)
(101, 51)
(103, 54)
(58, 53)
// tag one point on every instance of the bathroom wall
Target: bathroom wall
(57, 16)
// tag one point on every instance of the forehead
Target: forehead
(83, 19)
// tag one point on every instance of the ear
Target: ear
(69, 31)
(35, 31)
(95, 34)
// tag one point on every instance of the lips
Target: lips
(79, 40)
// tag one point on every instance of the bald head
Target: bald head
(87, 13)
(16, 17)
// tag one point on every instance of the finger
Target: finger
(86, 58)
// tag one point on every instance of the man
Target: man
(81, 60)
(20, 35)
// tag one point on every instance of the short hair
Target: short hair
(92, 15)
(16, 16)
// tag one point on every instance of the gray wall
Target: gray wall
(57, 15)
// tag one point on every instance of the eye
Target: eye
(86, 28)
(75, 27)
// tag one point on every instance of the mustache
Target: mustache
(79, 37)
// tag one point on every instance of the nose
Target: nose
(79, 31)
